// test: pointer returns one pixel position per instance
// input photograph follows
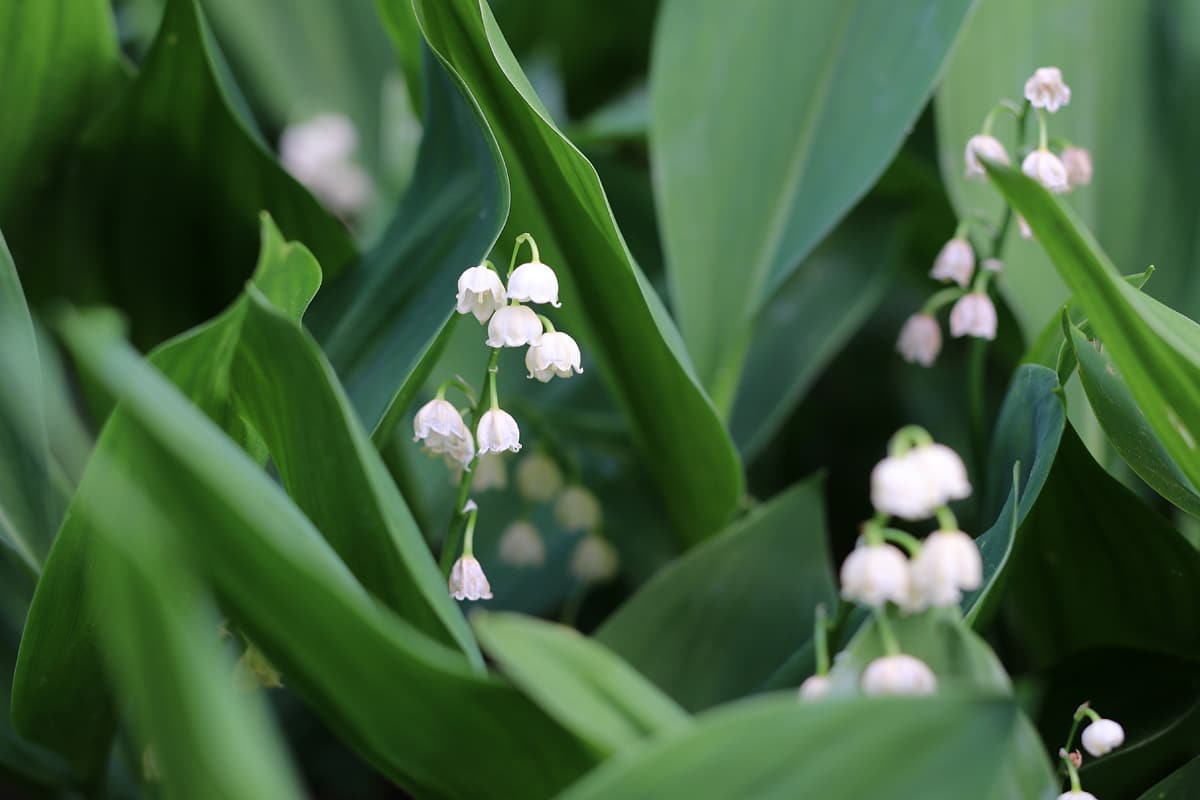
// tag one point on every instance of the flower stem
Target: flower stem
(546, 323)
(942, 298)
(821, 639)
(946, 519)
(533, 248)
(469, 538)
(891, 645)
(903, 538)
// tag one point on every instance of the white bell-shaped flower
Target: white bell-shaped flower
(898, 674)
(1026, 231)
(444, 433)
(498, 432)
(986, 147)
(1045, 89)
(900, 488)
(945, 471)
(318, 153)
(1078, 163)
(539, 480)
(490, 473)
(480, 292)
(467, 581)
(514, 326)
(1047, 169)
(594, 559)
(873, 574)
(973, 314)
(521, 545)
(948, 564)
(920, 340)
(534, 282)
(1103, 736)
(557, 354)
(578, 509)
(955, 262)
(815, 687)
(1080, 795)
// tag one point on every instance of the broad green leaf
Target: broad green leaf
(739, 605)
(400, 20)
(765, 129)
(607, 301)
(939, 748)
(1181, 784)
(578, 681)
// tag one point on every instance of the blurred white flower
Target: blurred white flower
(973, 315)
(920, 340)
(578, 509)
(514, 326)
(993, 265)
(898, 674)
(815, 687)
(490, 473)
(441, 427)
(467, 581)
(497, 432)
(539, 480)
(944, 470)
(594, 559)
(1045, 89)
(1026, 231)
(534, 282)
(912, 486)
(480, 292)
(521, 545)
(557, 354)
(1047, 169)
(986, 147)
(948, 564)
(955, 262)
(1078, 163)
(318, 153)
(873, 574)
(1103, 736)
(1080, 795)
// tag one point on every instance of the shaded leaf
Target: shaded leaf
(1181, 784)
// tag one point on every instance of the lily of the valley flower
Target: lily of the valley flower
(594, 559)
(920, 340)
(915, 484)
(318, 153)
(467, 581)
(898, 674)
(539, 480)
(514, 326)
(944, 470)
(578, 509)
(955, 262)
(1078, 163)
(521, 545)
(556, 354)
(498, 432)
(441, 427)
(873, 574)
(986, 147)
(1103, 736)
(534, 282)
(1045, 89)
(973, 315)
(480, 292)
(815, 687)
(1047, 169)
(948, 564)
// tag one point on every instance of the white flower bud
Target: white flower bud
(874, 574)
(578, 509)
(1026, 231)
(1103, 736)
(480, 292)
(1047, 90)
(318, 153)
(1080, 795)
(1078, 163)
(557, 354)
(490, 473)
(521, 545)
(993, 265)
(442, 428)
(986, 147)
(1047, 169)
(498, 432)
(467, 581)
(514, 326)
(539, 479)
(815, 687)
(948, 564)
(534, 282)
(973, 315)
(594, 559)
(898, 674)
(920, 340)
(955, 262)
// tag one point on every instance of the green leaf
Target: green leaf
(766, 127)
(739, 605)
(578, 681)
(1181, 784)
(607, 301)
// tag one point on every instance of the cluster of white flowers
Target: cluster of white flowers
(319, 153)
(1099, 738)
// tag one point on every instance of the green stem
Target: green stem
(533, 248)
(1074, 773)
(946, 519)
(903, 538)
(942, 298)
(891, 645)
(1043, 130)
(468, 548)
(1079, 715)
(821, 639)
(907, 438)
(549, 326)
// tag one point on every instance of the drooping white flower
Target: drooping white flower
(948, 564)
(955, 262)
(1047, 169)
(945, 471)
(920, 340)
(490, 473)
(498, 432)
(898, 674)
(873, 574)
(534, 282)
(480, 292)
(521, 545)
(514, 326)
(1078, 163)
(1045, 89)
(1080, 795)
(594, 559)
(993, 265)
(986, 147)
(557, 354)
(539, 480)
(1103, 736)
(441, 427)
(973, 315)
(814, 688)
(578, 509)
(912, 486)
(1026, 231)
(318, 153)
(467, 581)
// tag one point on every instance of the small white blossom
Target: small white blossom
(1078, 163)
(578, 509)
(318, 153)
(594, 559)
(898, 674)
(514, 326)
(1047, 90)
(441, 427)
(986, 147)
(539, 480)
(1026, 231)
(815, 687)
(993, 265)
(912, 486)
(557, 354)
(973, 315)
(948, 564)
(1047, 169)
(534, 282)
(955, 262)
(480, 292)
(490, 473)
(521, 545)
(1080, 795)
(945, 471)
(467, 581)
(875, 573)
(498, 432)
(920, 340)
(1103, 736)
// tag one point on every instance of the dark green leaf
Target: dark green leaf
(1182, 784)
